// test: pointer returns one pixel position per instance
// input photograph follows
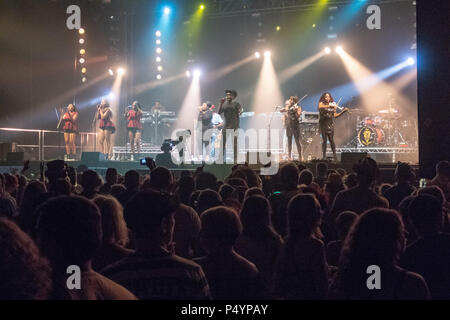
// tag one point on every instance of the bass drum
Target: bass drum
(370, 136)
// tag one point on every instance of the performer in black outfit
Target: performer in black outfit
(205, 120)
(327, 112)
(231, 111)
(292, 123)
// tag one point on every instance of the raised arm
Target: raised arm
(222, 101)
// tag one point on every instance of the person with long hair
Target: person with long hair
(114, 233)
(327, 113)
(291, 122)
(259, 242)
(107, 128)
(302, 270)
(376, 239)
(134, 127)
(70, 128)
(26, 274)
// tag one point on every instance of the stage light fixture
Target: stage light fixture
(111, 72)
(339, 49)
(158, 42)
(202, 7)
(410, 61)
(83, 70)
(197, 73)
(84, 79)
(111, 96)
(314, 25)
(278, 28)
(158, 59)
(158, 33)
(327, 50)
(158, 50)
(257, 55)
(82, 60)
(81, 41)
(160, 68)
(188, 74)
(81, 31)
(267, 54)
(159, 77)
(121, 71)
(167, 10)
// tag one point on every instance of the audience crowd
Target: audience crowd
(296, 235)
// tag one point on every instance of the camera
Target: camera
(146, 161)
(422, 183)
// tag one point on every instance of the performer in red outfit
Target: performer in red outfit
(70, 128)
(107, 128)
(133, 116)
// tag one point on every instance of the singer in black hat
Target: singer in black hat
(231, 110)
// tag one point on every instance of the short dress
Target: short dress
(70, 125)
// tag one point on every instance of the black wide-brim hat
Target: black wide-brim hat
(232, 91)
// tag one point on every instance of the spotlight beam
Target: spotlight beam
(292, 71)
(143, 87)
(268, 92)
(225, 70)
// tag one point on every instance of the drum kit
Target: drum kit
(386, 128)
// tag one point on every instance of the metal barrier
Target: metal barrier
(45, 145)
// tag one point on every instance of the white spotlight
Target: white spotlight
(81, 41)
(158, 42)
(410, 61)
(160, 68)
(339, 49)
(267, 54)
(158, 33)
(159, 77)
(111, 96)
(121, 71)
(327, 50)
(158, 50)
(84, 79)
(82, 60)
(197, 73)
(188, 74)
(158, 59)
(257, 55)
(111, 72)
(167, 10)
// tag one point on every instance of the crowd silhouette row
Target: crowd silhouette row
(292, 236)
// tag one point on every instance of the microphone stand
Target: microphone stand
(94, 127)
(268, 133)
(60, 120)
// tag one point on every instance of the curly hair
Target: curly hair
(322, 97)
(26, 275)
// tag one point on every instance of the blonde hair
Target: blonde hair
(113, 223)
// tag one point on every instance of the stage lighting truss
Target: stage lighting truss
(159, 51)
(82, 60)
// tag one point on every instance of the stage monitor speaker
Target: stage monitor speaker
(92, 157)
(15, 157)
(6, 147)
(352, 157)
